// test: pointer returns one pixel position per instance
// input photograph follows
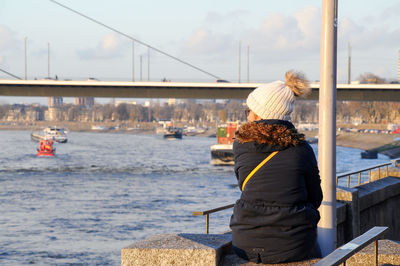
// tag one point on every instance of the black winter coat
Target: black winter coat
(277, 211)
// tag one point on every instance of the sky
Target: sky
(272, 37)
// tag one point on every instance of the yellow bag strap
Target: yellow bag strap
(258, 167)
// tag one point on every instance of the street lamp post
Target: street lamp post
(327, 127)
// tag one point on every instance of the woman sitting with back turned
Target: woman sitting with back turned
(275, 219)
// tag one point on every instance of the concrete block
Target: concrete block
(376, 192)
(388, 254)
(379, 203)
(177, 249)
(233, 260)
(350, 196)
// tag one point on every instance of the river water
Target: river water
(103, 191)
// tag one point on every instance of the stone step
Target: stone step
(177, 249)
(215, 249)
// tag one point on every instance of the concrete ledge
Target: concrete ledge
(202, 249)
(233, 260)
(389, 254)
(177, 249)
(341, 215)
(373, 193)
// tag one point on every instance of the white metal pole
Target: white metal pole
(140, 67)
(349, 65)
(48, 59)
(398, 77)
(240, 45)
(327, 127)
(26, 63)
(133, 60)
(148, 63)
(248, 63)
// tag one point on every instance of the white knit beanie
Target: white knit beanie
(276, 100)
(272, 101)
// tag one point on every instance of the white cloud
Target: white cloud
(8, 40)
(367, 37)
(207, 42)
(218, 37)
(111, 46)
(282, 38)
(235, 17)
(278, 35)
(287, 37)
(390, 13)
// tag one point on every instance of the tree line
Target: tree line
(206, 111)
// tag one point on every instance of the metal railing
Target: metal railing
(396, 163)
(359, 172)
(340, 255)
(207, 213)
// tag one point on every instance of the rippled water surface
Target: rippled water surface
(102, 192)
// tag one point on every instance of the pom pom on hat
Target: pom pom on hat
(276, 100)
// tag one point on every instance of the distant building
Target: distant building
(84, 101)
(54, 112)
(55, 101)
(34, 114)
(127, 102)
(189, 101)
(171, 101)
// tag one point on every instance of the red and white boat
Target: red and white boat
(46, 148)
(222, 152)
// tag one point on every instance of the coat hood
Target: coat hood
(270, 132)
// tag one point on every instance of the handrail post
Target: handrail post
(341, 254)
(207, 222)
(207, 214)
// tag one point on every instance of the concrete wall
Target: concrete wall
(369, 205)
(358, 209)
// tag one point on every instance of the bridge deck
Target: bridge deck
(212, 90)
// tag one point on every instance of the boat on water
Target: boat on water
(56, 134)
(369, 154)
(222, 152)
(46, 149)
(173, 133)
(46, 153)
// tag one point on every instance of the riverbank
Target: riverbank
(386, 144)
(362, 141)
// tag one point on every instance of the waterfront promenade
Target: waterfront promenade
(358, 210)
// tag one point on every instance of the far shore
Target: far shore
(362, 141)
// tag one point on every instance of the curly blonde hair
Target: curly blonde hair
(297, 82)
(273, 134)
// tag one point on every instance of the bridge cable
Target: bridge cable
(8, 73)
(136, 40)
